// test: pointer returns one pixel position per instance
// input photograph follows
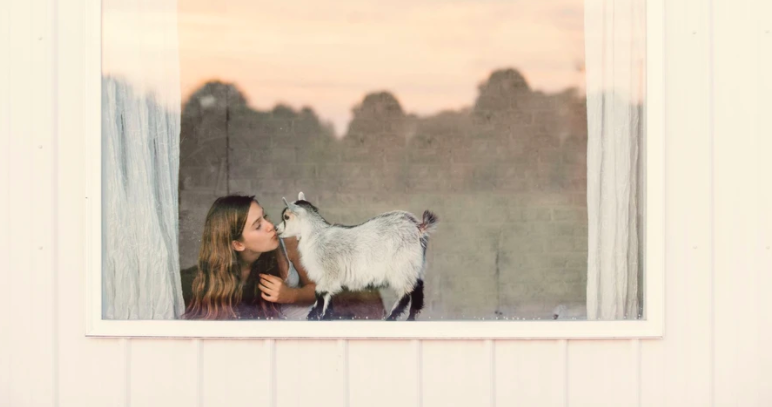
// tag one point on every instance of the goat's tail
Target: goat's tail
(429, 223)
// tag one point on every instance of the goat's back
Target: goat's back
(385, 250)
(383, 233)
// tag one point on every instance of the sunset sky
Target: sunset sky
(328, 55)
(430, 54)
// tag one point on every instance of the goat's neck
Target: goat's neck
(313, 227)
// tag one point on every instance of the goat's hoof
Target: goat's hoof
(314, 316)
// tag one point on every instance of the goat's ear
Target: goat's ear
(301, 197)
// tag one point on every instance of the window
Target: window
(530, 132)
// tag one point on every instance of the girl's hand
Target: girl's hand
(274, 290)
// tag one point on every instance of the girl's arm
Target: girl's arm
(305, 294)
(275, 290)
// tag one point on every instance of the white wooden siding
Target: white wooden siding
(718, 273)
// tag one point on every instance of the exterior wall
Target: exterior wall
(718, 260)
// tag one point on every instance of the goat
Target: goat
(388, 250)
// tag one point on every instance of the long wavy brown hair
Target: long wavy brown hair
(218, 291)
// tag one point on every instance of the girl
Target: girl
(243, 273)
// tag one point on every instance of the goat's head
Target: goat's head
(295, 215)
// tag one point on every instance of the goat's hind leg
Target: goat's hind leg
(416, 300)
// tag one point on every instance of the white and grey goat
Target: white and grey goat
(388, 250)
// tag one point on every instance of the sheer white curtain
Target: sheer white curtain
(140, 160)
(615, 72)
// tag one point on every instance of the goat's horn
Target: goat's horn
(285, 201)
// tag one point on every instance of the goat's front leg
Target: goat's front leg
(316, 309)
(321, 308)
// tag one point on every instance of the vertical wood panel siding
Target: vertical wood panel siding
(530, 373)
(163, 373)
(455, 372)
(738, 211)
(20, 242)
(688, 349)
(89, 372)
(608, 380)
(369, 388)
(238, 370)
(6, 324)
(763, 105)
(309, 372)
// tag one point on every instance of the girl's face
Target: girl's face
(259, 235)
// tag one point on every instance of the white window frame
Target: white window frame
(649, 327)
